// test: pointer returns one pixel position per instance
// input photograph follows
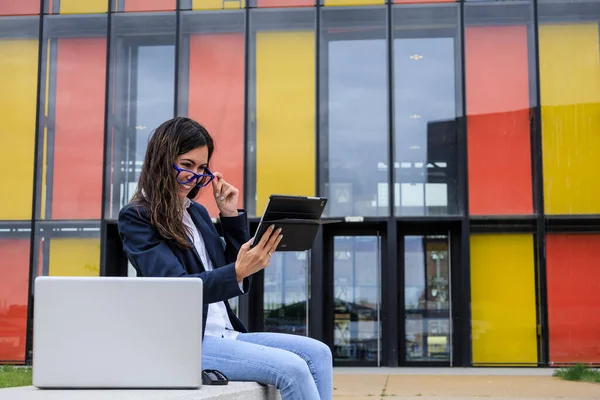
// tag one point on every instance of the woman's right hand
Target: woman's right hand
(251, 260)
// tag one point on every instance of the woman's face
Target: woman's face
(196, 161)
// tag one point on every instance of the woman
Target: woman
(165, 233)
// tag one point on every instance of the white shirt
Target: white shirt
(217, 321)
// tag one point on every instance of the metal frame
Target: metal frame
(461, 295)
(539, 205)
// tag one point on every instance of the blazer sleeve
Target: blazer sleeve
(151, 255)
(235, 234)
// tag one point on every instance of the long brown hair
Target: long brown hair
(157, 186)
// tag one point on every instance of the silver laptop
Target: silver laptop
(113, 332)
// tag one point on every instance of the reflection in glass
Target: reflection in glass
(573, 301)
(14, 286)
(357, 329)
(19, 7)
(285, 293)
(74, 6)
(281, 105)
(353, 93)
(67, 249)
(142, 82)
(74, 70)
(498, 44)
(144, 5)
(426, 105)
(211, 90)
(19, 48)
(569, 63)
(18, 97)
(427, 298)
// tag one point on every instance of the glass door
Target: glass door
(357, 299)
(286, 293)
(427, 299)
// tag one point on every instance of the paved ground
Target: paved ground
(457, 384)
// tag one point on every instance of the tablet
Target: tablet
(299, 218)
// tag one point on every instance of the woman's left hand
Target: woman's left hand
(226, 195)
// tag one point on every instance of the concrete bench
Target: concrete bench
(233, 391)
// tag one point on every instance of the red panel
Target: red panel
(573, 276)
(497, 89)
(284, 3)
(19, 7)
(149, 5)
(79, 129)
(216, 100)
(14, 270)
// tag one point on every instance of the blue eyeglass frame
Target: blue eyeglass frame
(195, 177)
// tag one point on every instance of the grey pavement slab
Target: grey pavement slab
(233, 391)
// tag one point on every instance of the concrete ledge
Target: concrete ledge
(233, 391)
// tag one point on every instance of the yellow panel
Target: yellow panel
(352, 2)
(503, 301)
(570, 99)
(83, 6)
(18, 93)
(74, 257)
(217, 4)
(285, 121)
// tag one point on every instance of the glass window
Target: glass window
(212, 4)
(351, 2)
(503, 299)
(427, 103)
(72, 129)
(142, 95)
(67, 249)
(499, 44)
(570, 100)
(354, 111)
(357, 298)
(281, 105)
(18, 93)
(15, 240)
(75, 6)
(431, 1)
(285, 293)
(144, 5)
(19, 7)
(427, 302)
(572, 275)
(18, 96)
(211, 89)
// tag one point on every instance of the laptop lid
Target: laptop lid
(117, 332)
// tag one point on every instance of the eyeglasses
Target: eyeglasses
(201, 180)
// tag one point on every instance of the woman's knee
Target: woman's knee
(320, 352)
(294, 369)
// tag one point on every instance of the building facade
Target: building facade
(456, 141)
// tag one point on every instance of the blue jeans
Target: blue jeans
(300, 367)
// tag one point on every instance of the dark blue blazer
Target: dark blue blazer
(153, 256)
